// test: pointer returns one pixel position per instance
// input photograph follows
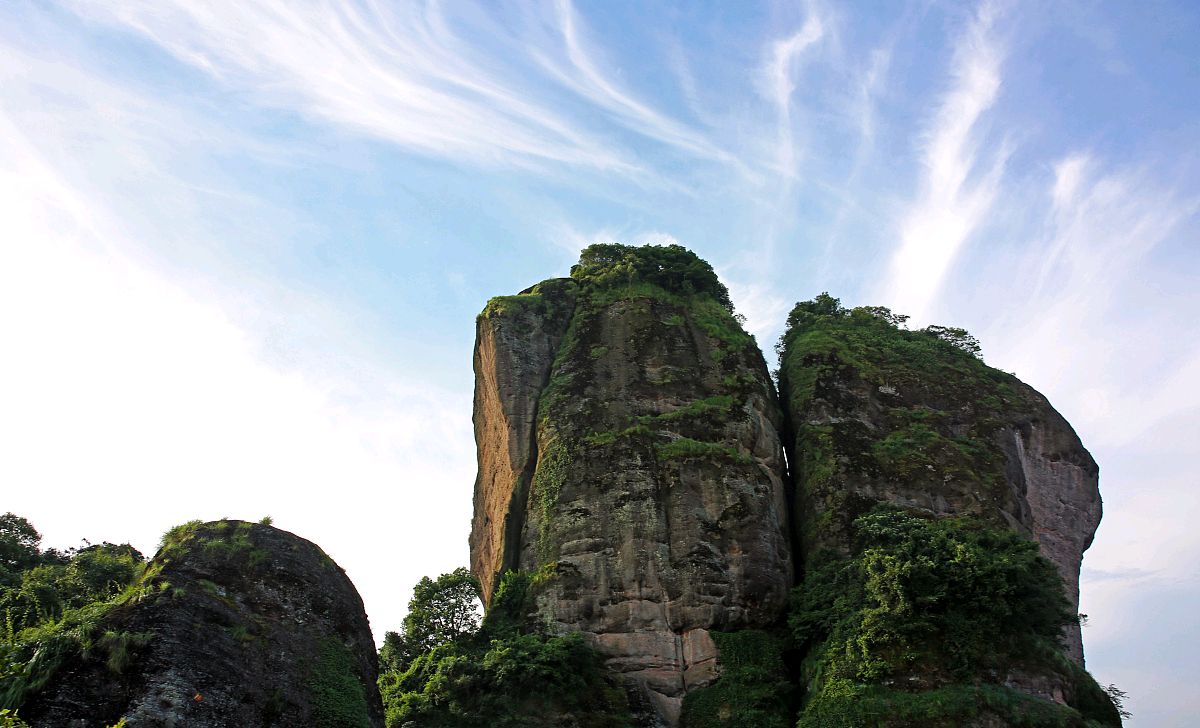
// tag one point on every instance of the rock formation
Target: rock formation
(880, 414)
(629, 456)
(630, 463)
(234, 624)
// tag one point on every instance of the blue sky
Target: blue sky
(244, 244)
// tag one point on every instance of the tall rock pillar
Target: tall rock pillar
(656, 508)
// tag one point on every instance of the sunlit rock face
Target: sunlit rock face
(630, 457)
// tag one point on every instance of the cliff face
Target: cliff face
(235, 624)
(912, 418)
(655, 510)
(632, 467)
(517, 339)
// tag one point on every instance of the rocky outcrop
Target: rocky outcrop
(1058, 480)
(516, 340)
(880, 414)
(656, 509)
(235, 624)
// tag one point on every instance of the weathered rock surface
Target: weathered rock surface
(656, 510)
(245, 625)
(516, 341)
(883, 415)
(1048, 464)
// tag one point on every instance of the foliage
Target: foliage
(31, 657)
(338, 698)
(19, 551)
(1117, 697)
(93, 573)
(935, 407)
(671, 267)
(921, 593)
(548, 478)
(10, 719)
(937, 602)
(844, 704)
(753, 690)
(683, 448)
(506, 674)
(958, 338)
(225, 540)
(440, 611)
(541, 300)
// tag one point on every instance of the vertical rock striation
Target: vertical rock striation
(656, 506)
(516, 340)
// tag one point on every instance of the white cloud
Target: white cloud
(400, 73)
(129, 404)
(765, 310)
(955, 193)
(590, 82)
(778, 83)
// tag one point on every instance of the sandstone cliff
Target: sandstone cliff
(234, 624)
(632, 467)
(881, 416)
(655, 508)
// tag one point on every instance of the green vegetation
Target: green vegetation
(10, 719)
(672, 268)
(31, 657)
(338, 698)
(753, 690)
(507, 674)
(941, 603)
(220, 539)
(540, 299)
(55, 604)
(939, 408)
(440, 611)
(709, 407)
(548, 480)
(683, 448)
(844, 704)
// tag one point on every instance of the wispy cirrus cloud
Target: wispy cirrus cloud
(399, 72)
(1094, 253)
(122, 383)
(778, 84)
(956, 189)
(584, 76)
(409, 74)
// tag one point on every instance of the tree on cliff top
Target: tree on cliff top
(671, 267)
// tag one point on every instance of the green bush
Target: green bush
(753, 690)
(943, 605)
(338, 698)
(673, 268)
(508, 674)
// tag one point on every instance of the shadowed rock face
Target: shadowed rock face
(244, 625)
(655, 508)
(1058, 480)
(883, 415)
